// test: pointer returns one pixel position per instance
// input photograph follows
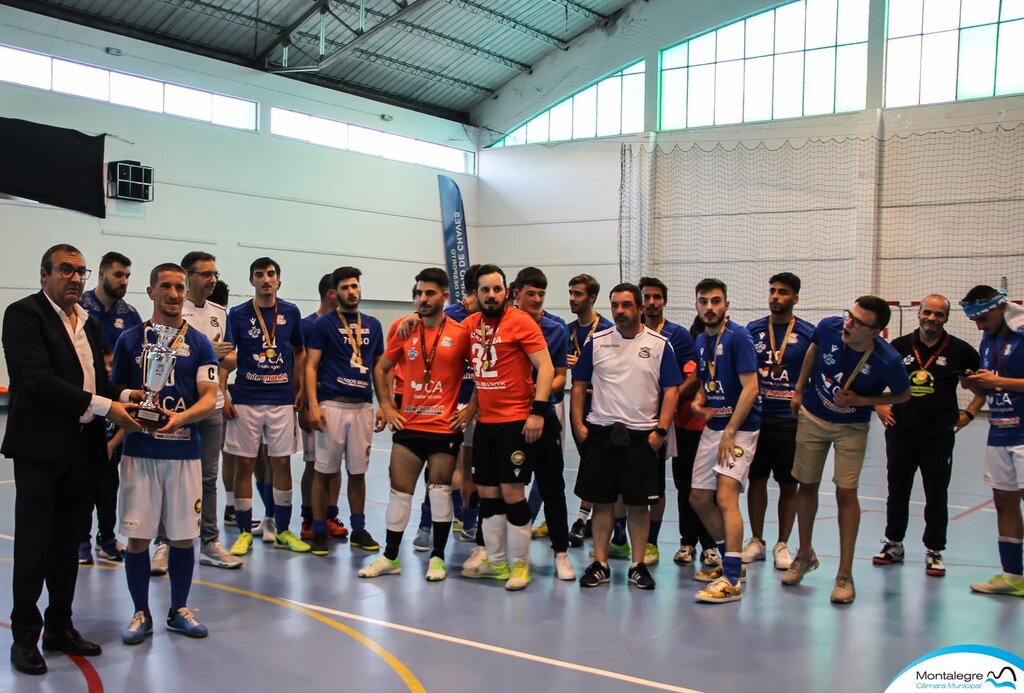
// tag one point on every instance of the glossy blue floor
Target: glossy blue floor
(296, 622)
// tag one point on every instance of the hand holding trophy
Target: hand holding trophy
(158, 359)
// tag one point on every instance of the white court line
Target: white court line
(8, 481)
(8, 537)
(500, 650)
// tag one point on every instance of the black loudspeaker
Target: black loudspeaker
(130, 180)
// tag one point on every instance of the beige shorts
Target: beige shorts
(814, 437)
(347, 436)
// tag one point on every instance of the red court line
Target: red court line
(93, 682)
(967, 512)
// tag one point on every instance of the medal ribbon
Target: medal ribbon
(660, 326)
(593, 326)
(488, 343)
(712, 363)
(428, 361)
(777, 353)
(270, 335)
(848, 382)
(356, 344)
(920, 361)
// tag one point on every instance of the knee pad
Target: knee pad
(399, 508)
(441, 508)
(518, 513)
(489, 507)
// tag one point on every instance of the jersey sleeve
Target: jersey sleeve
(682, 345)
(298, 340)
(530, 336)
(972, 361)
(670, 374)
(744, 355)
(229, 335)
(121, 370)
(584, 368)
(559, 349)
(378, 339)
(318, 334)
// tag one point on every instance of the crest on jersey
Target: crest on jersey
(214, 322)
(644, 353)
(281, 320)
(829, 359)
(119, 323)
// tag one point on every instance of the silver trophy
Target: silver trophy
(157, 365)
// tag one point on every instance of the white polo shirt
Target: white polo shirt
(212, 320)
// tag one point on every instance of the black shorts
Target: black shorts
(424, 444)
(776, 446)
(608, 471)
(499, 454)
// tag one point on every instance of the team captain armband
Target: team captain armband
(208, 374)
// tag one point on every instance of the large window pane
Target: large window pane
(977, 62)
(851, 77)
(289, 124)
(788, 87)
(789, 28)
(674, 57)
(609, 106)
(903, 72)
(234, 113)
(853, 21)
(584, 113)
(1009, 73)
(517, 136)
(941, 15)
(189, 103)
(632, 103)
(975, 12)
(905, 17)
(760, 36)
(702, 49)
(820, 81)
(127, 90)
(938, 67)
(730, 42)
(537, 129)
(81, 80)
(821, 23)
(365, 141)
(1012, 9)
(22, 67)
(701, 99)
(757, 93)
(729, 92)
(561, 121)
(329, 133)
(397, 148)
(673, 100)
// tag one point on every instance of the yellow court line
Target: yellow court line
(501, 650)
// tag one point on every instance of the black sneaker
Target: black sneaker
(363, 540)
(229, 516)
(641, 577)
(892, 552)
(595, 574)
(576, 534)
(588, 529)
(318, 545)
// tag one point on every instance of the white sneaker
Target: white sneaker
(476, 559)
(269, 530)
(563, 566)
(753, 550)
(436, 570)
(214, 553)
(158, 560)
(783, 558)
(257, 527)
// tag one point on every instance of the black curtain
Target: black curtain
(56, 166)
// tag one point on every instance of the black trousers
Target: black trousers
(691, 529)
(106, 482)
(932, 453)
(548, 473)
(51, 515)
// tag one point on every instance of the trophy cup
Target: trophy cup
(157, 365)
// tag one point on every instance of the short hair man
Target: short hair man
(267, 335)
(635, 378)
(848, 368)
(1001, 380)
(780, 340)
(920, 433)
(505, 346)
(729, 402)
(343, 350)
(161, 470)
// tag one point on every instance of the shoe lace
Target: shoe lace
(187, 615)
(138, 620)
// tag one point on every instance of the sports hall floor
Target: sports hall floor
(300, 623)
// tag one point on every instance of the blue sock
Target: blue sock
(732, 567)
(619, 531)
(180, 564)
(426, 517)
(136, 569)
(720, 545)
(653, 532)
(457, 503)
(469, 516)
(534, 501)
(1010, 555)
(332, 512)
(267, 494)
(244, 520)
(358, 521)
(282, 517)
(307, 512)
(319, 527)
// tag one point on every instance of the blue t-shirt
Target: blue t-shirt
(552, 316)
(777, 387)
(558, 347)
(113, 322)
(338, 374)
(884, 369)
(196, 362)
(682, 342)
(581, 334)
(735, 355)
(1004, 355)
(263, 379)
(307, 327)
(458, 313)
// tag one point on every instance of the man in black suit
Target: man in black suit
(59, 395)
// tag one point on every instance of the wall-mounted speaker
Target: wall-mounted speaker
(130, 180)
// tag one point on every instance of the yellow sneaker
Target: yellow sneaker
(242, 545)
(1000, 584)
(486, 569)
(520, 577)
(540, 531)
(382, 566)
(288, 540)
(721, 591)
(651, 554)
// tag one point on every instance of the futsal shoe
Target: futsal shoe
(684, 556)
(576, 533)
(540, 531)
(242, 545)
(361, 539)
(783, 558)
(712, 574)
(491, 571)
(214, 554)
(422, 540)
(111, 551)
(137, 631)
(306, 530)
(710, 558)
(596, 574)
(184, 622)
(336, 528)
(269, 530)
(382, 566)
(843, 591)
(468, 534)
(564, 568)
(436, 570)
(753, 550)
(800, 566)
(158, 561)
(475, 559)
(257, 527)
(933, 564)
(85, 553)
(229, 516)
(652, 554)
(641, 577)
(1000, 584)
(720, 591)
(318, 545)
(892, 552)
(519, 578)
(619, 551)
(288, 540)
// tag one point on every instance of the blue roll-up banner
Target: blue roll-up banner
(456, 242)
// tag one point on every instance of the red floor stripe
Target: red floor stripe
(93, 682)
(967, 512)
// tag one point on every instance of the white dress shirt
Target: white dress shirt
(98, 406)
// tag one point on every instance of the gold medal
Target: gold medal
(354, 338)
(737, 452)
(271, 352)
(776, 354)
(269, 336)
(713, 386)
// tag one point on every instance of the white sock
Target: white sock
(494, 538)
(519, 542)
(230, 496)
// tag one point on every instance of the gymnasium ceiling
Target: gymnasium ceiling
(441, 57)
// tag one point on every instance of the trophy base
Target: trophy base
(148, 418)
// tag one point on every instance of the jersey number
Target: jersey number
(478, 361)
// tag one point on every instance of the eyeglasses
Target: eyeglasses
(849, 317)
(66, 271)
(206, 275)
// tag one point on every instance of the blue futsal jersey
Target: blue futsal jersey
(196, 362)
(339, 374)
(1004, 355)
(578, 335)
(558, 348)
(264, 379)
(835, 362)
(775, 384)
(307, 327)
(113, 322)
(735, 355)
(682, 342)
(458, 313)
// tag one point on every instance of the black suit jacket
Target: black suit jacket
(46, 395)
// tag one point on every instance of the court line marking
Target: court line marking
(93, 682)
(500, 650)
(979, 506)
